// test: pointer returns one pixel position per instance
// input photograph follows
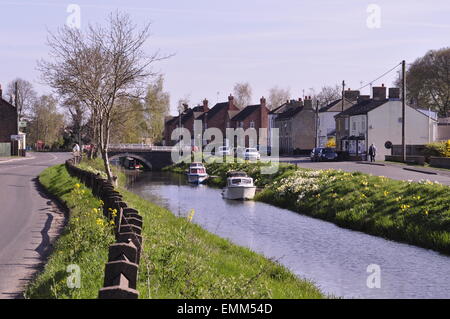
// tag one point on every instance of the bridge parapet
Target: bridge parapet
(140, 147)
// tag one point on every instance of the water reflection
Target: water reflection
(335, 259)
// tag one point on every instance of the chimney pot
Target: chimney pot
(379, 93)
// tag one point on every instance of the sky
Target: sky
(300, 45)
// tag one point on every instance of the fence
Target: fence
(121, 270)
(5, 149)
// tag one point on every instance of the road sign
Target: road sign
(22, 124)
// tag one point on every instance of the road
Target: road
(393, 171)
(29, 221)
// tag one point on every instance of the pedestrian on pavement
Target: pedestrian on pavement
(372, 152)
(76, 153)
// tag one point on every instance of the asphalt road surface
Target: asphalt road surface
(393, 171)
(29, 221)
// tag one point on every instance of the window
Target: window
(346, 123)
(252, 124)
(241, 124)
(354, 126)
(363, 125)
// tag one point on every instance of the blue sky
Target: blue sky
(289, 44)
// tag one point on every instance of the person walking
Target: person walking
(76, 153)
(372, 152)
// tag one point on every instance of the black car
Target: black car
(328, 154)
(315, 154)
(323, 154)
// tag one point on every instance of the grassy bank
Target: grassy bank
(84, 241)
(416, 213)
(179, 260)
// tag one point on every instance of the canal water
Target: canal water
(335, 259)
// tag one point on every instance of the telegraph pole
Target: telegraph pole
(343, 92)
(403, 110)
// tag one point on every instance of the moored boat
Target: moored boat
(239, 186)
(196, 173)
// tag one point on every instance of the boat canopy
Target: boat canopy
(236, 174)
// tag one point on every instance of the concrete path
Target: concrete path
(394, 171)
(29, 221)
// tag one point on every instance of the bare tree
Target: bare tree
(278, 96)
(328, 94)
(26, 95)
(242, 94)
(100, 66)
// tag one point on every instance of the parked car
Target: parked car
(265, 150)
(223, 151)
(315, 154)
(239, 152)
(251, 154)
(328, 154)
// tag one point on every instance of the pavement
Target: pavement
(29, 220)
(391, 170)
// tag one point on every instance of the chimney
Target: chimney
(379, 93)
(363, 98)
(300, 101)
(263, 101)
(308, 102)
(205, 105)
(394, 94)
(351, 95)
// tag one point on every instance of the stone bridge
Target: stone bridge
(153, 157)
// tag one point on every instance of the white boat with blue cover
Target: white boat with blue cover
(197, 173)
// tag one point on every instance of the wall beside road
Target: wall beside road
(121, 270)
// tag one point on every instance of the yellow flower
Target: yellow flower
(363, 196)
(386, 193)
(398, 199)
(77, 185)
(95, 210)
(191, 215)
(100, 222)
(111, 222)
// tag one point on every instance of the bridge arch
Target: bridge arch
(133, 155)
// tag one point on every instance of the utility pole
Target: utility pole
(403, 109)
(343, 92)
(317, 123)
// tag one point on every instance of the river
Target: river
(335, 259)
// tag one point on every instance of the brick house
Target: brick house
(253, 116)
(8, 126)
(297, 127)
(185, 119)
(220, 116)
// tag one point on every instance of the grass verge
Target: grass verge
(83, 243)
(415, 213)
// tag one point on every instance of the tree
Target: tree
(77, 119)
(156, 108)
(428, 81)
(242, 94)
(26, 95)
(100, 66)
(328, 94)
(278, 96)
(46, 122)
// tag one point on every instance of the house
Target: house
(275, 112)
(220, 116)
(8, 127)
(253, 116)
(326, 123)
(443, 129)
(296, 122)
(378, 121)
(185, 120)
